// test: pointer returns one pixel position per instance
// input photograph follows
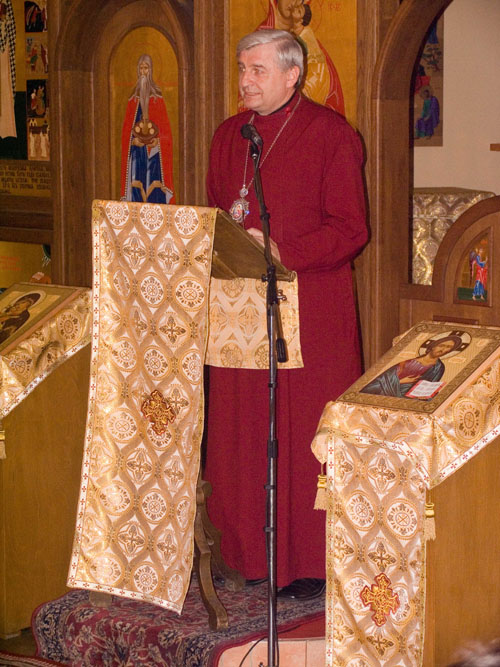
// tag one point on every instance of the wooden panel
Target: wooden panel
(39, 483)
(463, 577)
(26, 219)
(26, 212)
(20, 235)
(386, 129)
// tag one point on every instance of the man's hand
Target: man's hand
(259, 236)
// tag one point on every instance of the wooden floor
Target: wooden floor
(23, 644)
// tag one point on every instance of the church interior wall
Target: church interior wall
(471, 105)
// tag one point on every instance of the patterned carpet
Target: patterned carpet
(74, 632)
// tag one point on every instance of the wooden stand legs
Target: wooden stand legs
(208, 561)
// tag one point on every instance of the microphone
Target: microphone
(249, 132)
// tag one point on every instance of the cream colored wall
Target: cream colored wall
(471, 101)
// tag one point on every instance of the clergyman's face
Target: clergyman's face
(264, 87)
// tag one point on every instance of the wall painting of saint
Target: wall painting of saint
(24, 99)
(473, 278)
(428, 90)
(145, 118)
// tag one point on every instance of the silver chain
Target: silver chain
(244, 187)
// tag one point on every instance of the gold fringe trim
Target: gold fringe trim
(321, 500)
(429, 522)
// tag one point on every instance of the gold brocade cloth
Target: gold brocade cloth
(151, 300)
(57, 338)
(238, 331)
(434, 212)
(135, 522)
(380, 462)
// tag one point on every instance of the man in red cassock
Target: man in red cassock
(311, 170)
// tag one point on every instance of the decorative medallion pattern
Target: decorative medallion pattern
(238, 333)
(469, 419)
(155, 362)
(56, 339)
(152, 290)
(70, 325)
(134, 533)
(402, 519)
(117, 214)
(190, 294)
(187, 221)
(152, 217)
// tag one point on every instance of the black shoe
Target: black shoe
(255, 582)
(303, 589)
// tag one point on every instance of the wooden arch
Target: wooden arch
(90, 33)
(386, 260)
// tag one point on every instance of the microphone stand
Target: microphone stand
(277, 352)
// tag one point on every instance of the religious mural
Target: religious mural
(327, 31)
(428, 90)
(24, 108)
(146, 163)
(144, 109)
(7, 69)
(473, 281)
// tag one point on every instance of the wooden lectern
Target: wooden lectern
(43, 407)
(236, 254)
(39, 481)
(404, 456)
(151, 304)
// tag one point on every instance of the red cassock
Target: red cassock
(313, 189)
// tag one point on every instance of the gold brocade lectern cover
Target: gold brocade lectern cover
(134, 534)
(238, 325)
(59, 336)
(382, 451)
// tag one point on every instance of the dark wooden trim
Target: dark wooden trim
(26, 212)
(211, 81)
(389, 168)
(31, 235)
(373, 22)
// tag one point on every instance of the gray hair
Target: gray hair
(289, 53)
